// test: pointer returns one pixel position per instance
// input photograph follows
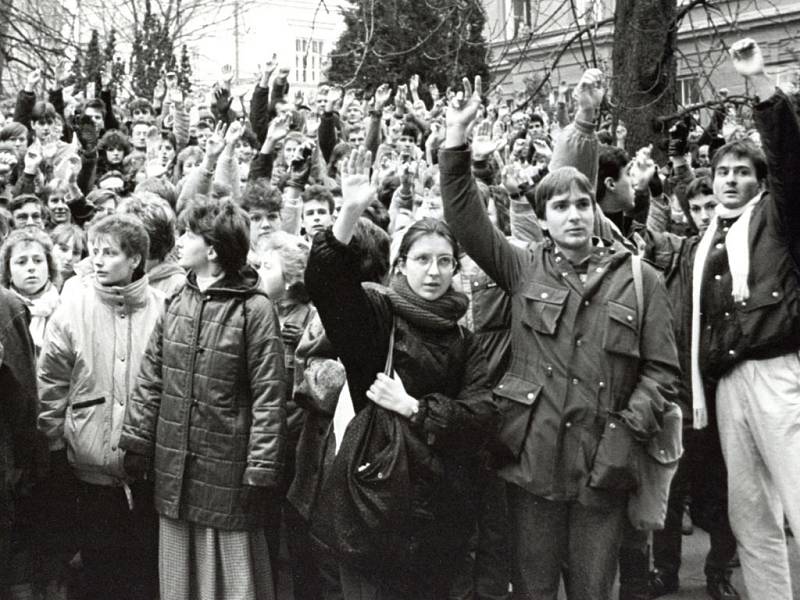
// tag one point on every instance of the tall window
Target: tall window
(308, 60)
(688, 90)
(521, 15)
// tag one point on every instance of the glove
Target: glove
(222, 104)
(136, 465)
(87, 134)
(678, 139)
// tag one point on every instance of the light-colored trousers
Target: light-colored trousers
(758, 413)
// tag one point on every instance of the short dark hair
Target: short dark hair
(699, 186)
(421, 228)
(611, 162)
(18, 202)
(260, 195)
(130, 234)
(96, 103)
(223, 226)
(12, 130)
(158, 219)
(140, 104)
(559, 181)
(160, 187)
(536, 118)
(743, 149)
(320, 193)
(374, 245)
(43, 111)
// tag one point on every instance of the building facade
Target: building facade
(527, 37)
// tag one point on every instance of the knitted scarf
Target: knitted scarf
(41, 305)
(440, 314)
(737, 246)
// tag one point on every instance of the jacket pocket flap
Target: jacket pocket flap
(517, 389)
(623, 314)
(545, 293)
(760, 299)
(88, 403)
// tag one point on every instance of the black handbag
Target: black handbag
(373, 499)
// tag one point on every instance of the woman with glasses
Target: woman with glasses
(440, 388)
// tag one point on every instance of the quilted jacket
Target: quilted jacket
(209, 405)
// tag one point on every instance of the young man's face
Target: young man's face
(139, 136)
(29, 215)
(619, 196)
(142, 114)
(244, 152)
(115, 155)
(735, 182)
(45, 130)
(97, 118)
(702, 210)
(59, 209)
(354, 113)
(316, 217)
(569, 218)
(405, 144)
(193, 251)
(356, 137)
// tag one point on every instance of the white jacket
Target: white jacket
(92, 349)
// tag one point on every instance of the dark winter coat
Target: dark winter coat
(209, 407)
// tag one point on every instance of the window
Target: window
(784, 74)
(521, 16)
(307, 60)
(688, 90)
(591, 11)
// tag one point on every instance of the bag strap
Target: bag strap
(636, 267)
(389, 367)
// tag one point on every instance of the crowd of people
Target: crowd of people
(413, 345)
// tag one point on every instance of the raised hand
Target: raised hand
(226, 76)
(33, 157)
(413, 85)
(747, 57)
(33, 79)
(483, 146)
(461, 112)
(589, 93)
(159, 90)
(278, 129)
(357, 191)
(382, 95)
(642, 169)
(234, 132)
(216, 143)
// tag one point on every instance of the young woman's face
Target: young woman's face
(45, 130)
(114, 156)
(20, 143)
(66, 255)
(244, 152)
(192, 251)
(111, 265)
(271, 272)
(429, 266)
(28, 267)
(166, 152)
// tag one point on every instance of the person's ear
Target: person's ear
(211, 254)
(401, 266)
(610, 184)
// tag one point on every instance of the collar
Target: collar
(127, 298)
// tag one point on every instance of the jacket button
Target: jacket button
(586, 303)
(544, 295)
(630, 318)
(500, 386)
(612, 426)
(579, 342)
(599, 269)
(727, 315)
(732, 352)
(558, 259)
(574, 382)
(717, 277)
(719, 245)
(601, 385)
(530, 396)
(775, 294)
(568, 424)
(744, 303)
(476, 283)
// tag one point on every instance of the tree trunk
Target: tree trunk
(5, 11)
(644, 69)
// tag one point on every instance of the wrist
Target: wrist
(412, 407)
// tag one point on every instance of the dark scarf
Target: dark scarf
(440, 314)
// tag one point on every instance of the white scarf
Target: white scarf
(737, 245)
(41, 306)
